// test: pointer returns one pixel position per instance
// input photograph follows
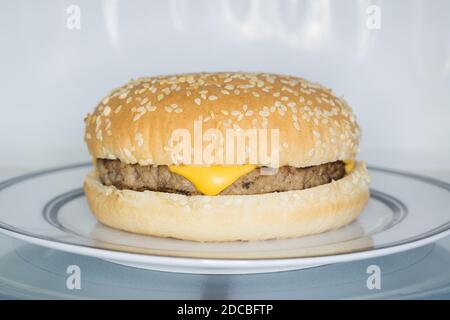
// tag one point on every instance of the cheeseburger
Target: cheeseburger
(224, 157)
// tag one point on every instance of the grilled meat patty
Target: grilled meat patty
(160, 178)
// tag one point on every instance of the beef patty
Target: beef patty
(160, 178)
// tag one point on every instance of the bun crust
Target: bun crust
(135, 122)
(229, 218)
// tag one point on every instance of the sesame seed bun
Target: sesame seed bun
(135, 122)
(228, 218)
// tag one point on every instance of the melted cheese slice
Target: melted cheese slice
(214, 179)
(349, 165)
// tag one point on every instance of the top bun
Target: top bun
(135, 122)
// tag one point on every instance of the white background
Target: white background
(396, 78)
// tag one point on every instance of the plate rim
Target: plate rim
(193, 261)
(223, 263)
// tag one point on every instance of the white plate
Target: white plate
(48, 208)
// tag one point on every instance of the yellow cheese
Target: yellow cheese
(349, 165)
(214, 179)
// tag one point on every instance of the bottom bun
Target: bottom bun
(231, 217)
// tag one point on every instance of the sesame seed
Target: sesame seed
(123, 95)
(264, 113)
(106, 111)
(246, 86)
(139, 139)
(127, 152)
(99, 135)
